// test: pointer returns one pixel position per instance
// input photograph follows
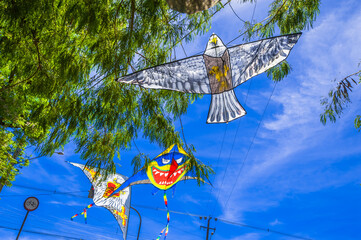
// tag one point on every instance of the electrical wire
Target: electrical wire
(43, 190)
(262, 229)
(197, 215)
(42, 233)
(227, 222)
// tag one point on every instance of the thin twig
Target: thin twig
(7, 87)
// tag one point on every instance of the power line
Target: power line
(54, 235)
(227, 222)
(42, 233)
(164, 210)
(44, 190)
(262, 229)
(183, 213)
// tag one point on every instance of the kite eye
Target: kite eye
(179, 160)
(165, 161)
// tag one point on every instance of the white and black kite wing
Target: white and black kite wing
(251, 59)
(188, 75)
(118, 204)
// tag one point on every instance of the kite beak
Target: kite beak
(173, 167)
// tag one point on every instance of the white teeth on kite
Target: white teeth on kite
(166, 183)
(171, 177)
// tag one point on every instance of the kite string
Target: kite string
(250, 146)
(254, 11)
(216, 165)
(230, 154)
(271, 18)
(165, 230)
(249, 87)
(180, 41)
(236, 14)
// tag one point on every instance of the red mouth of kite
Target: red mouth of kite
(162, 177)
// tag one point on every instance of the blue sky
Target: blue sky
(299, 177)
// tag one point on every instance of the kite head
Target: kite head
(215, 47)
(168, 168)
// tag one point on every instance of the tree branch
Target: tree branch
(7, 87)
(36, 41)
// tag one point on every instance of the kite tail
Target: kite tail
(74, 216)
(167, 226)
(83, 213)
(224, 108)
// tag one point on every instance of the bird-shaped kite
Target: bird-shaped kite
(218, 71)
(118, 204)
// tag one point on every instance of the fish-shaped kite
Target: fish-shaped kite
(118, 204)
(217, 72)
(164, 172)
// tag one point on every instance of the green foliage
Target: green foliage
(358, 122)
(280, 71)
(198, 168)
(59, 61)
(285, 16)
(11, 160)
(338, 98)
(58, 65)
(290, 16)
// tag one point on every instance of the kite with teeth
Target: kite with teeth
(164, 171)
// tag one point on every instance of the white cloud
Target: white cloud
(288, 162)
(69, 203)
(248, 236)
(275, 222)
(330, 50)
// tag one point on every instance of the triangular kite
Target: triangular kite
(118, 204)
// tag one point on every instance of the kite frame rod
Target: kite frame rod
(140, 221)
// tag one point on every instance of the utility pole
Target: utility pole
(214, 229)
